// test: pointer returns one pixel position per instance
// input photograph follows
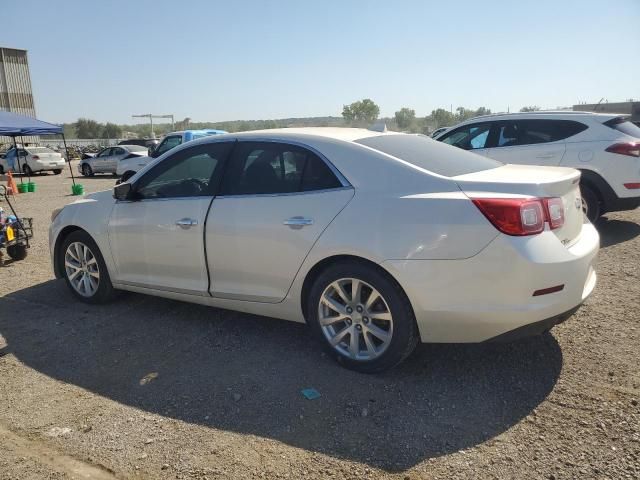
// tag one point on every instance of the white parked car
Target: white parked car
(604, 147)
(32, 160)
(376, 240)
(108, 159)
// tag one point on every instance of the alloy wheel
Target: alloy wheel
(355, 319)
(82, 269)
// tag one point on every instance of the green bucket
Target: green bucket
(22, 188)
(77, 189)
(31, 186)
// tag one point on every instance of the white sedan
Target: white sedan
(33, 159)
(376, 240)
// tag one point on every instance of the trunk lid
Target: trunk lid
(532, 181)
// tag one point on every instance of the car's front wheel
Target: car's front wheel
(362, 316)
(86, 170)
(84, 269)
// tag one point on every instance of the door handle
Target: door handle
(298, 222)
(186, 223)
(546, 155)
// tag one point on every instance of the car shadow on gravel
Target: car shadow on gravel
(613, 231)
(243, 373)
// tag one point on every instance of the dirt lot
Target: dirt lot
(152, 388)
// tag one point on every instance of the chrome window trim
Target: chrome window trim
(287, 194)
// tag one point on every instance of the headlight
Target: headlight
(55, 213)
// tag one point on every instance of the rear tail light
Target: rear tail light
(632, 186)
(513, 216)
(555, 212)
(35, 157)
(632, 149)
(522, 216)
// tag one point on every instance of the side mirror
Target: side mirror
(122, 191)
(153, 152)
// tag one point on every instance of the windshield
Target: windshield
(426, 153)
(625, 126)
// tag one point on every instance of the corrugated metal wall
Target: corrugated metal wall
(15, 86)
(15, 82)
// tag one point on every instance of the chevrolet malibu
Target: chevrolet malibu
(377, 240)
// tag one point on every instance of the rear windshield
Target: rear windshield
(623, 125)
(429, 154)
(40, 150)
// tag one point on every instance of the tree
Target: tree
(111, 130)
(405, 118)
(363, 111)
(533, 108)
(483, 111)
(86, 128)
(441, 118)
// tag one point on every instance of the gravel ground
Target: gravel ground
(153, 388)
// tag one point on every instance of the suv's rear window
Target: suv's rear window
(623, 125)
(429, 154)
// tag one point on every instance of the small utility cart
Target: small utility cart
(15, 231)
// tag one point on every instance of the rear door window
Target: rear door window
(530, 132)
(258, 168)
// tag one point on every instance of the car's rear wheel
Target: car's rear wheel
(86, 170)
(26, 169)
(362, 317)
(84, 269)
(57, 171)
(590, 203)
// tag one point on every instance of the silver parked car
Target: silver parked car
(106, 161)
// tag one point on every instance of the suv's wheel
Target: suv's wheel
(26, 169)
(84, 269)
(1, 170)
(590, 203)
(362, 317)
(86, 170)
(57, 171)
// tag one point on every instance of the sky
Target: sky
(251, 59)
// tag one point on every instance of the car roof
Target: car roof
(334, 133)
(545, 114)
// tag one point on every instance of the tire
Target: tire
(95, 294)
(86, 170)
(26, 169)
(591, 205)
(1, 170)
(127, 175)
(17, 252)
(57, 171)
(373, 353)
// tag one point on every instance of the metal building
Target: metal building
(630, 108)
(15, 82)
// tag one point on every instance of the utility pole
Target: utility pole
(151, 116)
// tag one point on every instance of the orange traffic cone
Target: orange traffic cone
(12, 188)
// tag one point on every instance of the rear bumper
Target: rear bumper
(535, 328)
(490, 294)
